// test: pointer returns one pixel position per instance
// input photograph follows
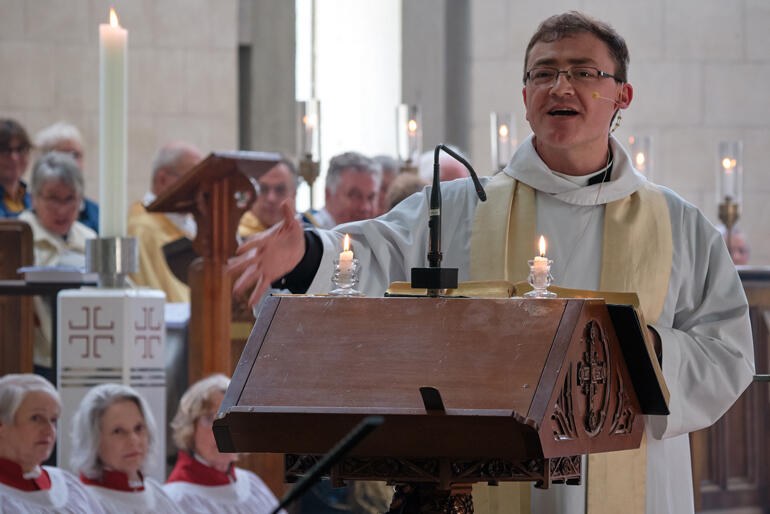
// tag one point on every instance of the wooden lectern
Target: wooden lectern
(217, 192)
(526, 386)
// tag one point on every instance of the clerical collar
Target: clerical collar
(11, 475)
(117, 480)
(197, 470)
(597, 177)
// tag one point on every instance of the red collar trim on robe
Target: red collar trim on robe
(189, 469)
(112, 479)
(12, 476)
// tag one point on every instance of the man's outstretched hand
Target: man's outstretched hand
(268, 256)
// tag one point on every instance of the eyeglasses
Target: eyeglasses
(279, 190)
(69, 201)
(20, 150)
(545, 75)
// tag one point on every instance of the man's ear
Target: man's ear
(524, 96)
(625, 95)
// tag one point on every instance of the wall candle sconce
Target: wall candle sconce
(641, 154)
(409, 136)
(503, 138)
(730, 184)
(309, 141)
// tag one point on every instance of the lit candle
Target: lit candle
(728, 168)
(411, 130)
(112, 128)
(346, 256)
(309, 124)
(540, 264)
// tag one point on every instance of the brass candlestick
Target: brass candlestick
(408, 167)
(308, 170)
(729, 212)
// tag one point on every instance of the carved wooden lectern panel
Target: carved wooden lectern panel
(596, 395)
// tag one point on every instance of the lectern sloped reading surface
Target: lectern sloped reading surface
(217, 192)
(527, 386)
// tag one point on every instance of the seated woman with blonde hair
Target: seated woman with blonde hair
(113, 432)
(29, 409)
(205, 480)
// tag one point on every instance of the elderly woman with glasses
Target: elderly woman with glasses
(205, 480)
(65, 137)
(58, 239)
(113, 432)
(29, 408)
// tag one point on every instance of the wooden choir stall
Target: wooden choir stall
(521, 387)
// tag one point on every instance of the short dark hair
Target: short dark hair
(570, 23)
(12, 129)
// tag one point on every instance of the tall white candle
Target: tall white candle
(113, 98)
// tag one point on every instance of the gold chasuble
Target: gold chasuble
(153, 230)
(636, 257)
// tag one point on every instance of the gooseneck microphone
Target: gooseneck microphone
(435, 278)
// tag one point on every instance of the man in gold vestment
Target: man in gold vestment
(155, 229)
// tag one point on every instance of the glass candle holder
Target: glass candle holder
(641, 154)
(540, 278)
(503, 138)
(345, 278)
(409, 135)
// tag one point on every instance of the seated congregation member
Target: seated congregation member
(390, 171)
(404, 186)
(352, 185)
(155, 229)
(450, 168)
(205, 480)
(14, 159)
(113, 432)
(739, 246)
(58, 238)
(275, 186)
(29, 409)
(65, 137)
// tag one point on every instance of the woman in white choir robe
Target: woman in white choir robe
(29, 409)
(205, 480)
(113, 432)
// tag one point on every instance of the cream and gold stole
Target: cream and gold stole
(636, 256)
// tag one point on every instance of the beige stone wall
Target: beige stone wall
(699, 68)
(182, 67)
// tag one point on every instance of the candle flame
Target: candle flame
(346, 243)
(631, 140)
(411, 126)
(542, 246)
(503, 130)
(309, 120)
(728, 163)
(113, 18)
(640, 159)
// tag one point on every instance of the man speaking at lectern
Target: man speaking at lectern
(608, 229)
